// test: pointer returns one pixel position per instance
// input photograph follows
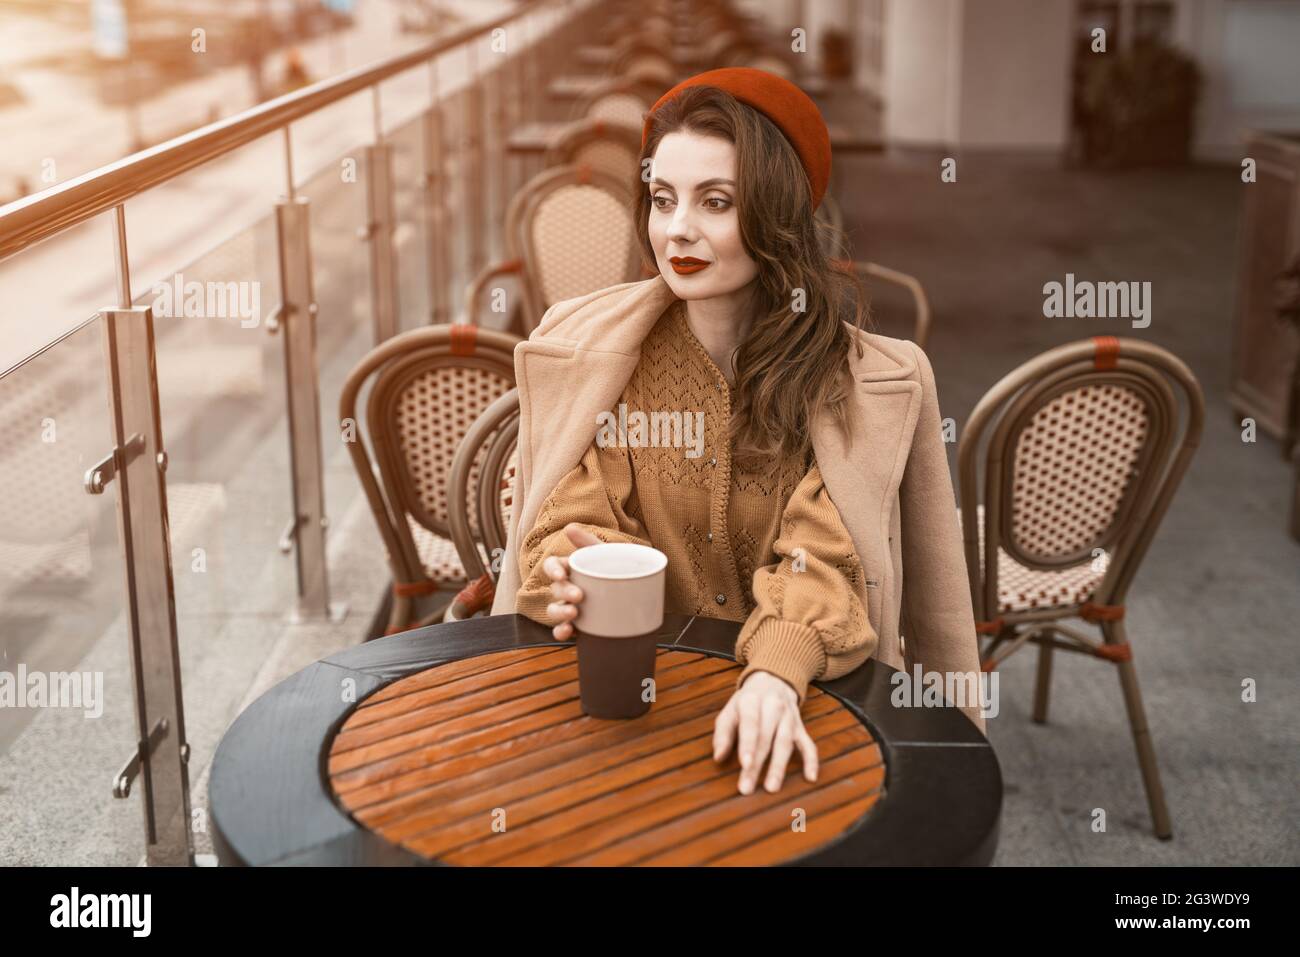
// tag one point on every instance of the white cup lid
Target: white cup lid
(618, 560)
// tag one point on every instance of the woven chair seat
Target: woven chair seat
(437, 555)
(1020, 587)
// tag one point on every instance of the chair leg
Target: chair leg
(1044, 683)
(399, 615)
(437, 614)
(992, 645)
(1146, 752)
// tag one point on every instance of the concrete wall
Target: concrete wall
(977, 73)
(922, 65)
(1015, 74)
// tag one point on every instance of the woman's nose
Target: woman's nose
(681, 226)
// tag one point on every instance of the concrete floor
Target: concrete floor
(1218, 597)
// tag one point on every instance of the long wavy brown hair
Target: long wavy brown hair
(795, 359)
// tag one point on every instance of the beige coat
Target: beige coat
(890, 484)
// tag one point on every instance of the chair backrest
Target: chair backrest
(619, 100)
(920, 301)
(427, 386)
(480, 487)
(739, 53)
(568, 231)
(611, 147)
(772, 64)
(646, 32)
(577, 235)
(1085, 452)
(829, 219)
(652, 67)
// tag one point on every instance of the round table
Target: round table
(465, 744)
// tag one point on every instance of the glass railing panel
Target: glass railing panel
(172, 225)
(411, 205)
(331, 135)
(67, 714)
(54, 287)
(344, 335)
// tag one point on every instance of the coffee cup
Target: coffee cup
(618, 624)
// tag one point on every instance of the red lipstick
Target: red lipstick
(685, 265)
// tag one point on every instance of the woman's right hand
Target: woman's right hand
(567, 595)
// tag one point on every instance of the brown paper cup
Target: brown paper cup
(618, 620)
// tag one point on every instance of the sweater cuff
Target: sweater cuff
(788, 649)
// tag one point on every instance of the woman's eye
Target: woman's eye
(718, 199)
(655, 200)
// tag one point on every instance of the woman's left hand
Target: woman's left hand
(763, 715)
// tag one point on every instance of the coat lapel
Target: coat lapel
(862, 475)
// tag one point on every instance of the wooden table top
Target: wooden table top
(430, 731)
(490, 761)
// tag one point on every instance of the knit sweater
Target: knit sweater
(766, 548)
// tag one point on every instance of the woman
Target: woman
(808, 484)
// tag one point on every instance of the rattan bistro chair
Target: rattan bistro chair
(920, 301)
(611, 147)
(1084, 454)
(619, 99)
(480, 491)
(834, 242)
(427, 386)
(569, 232)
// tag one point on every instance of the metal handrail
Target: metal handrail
(34, 218)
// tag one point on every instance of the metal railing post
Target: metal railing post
(472, 152)
(306, 532)
(136, 465)
(437, 249)
(500, 81)
(379, 231)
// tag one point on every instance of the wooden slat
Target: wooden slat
(432, 677)
(653, 751)
(427, 761)
(516, 695)
(822, 827)
(595, 824)
(741, 817)
(498, 724)
(419, 694)
(576, 783)
(447, 775)
(415, 692)
(772, 821)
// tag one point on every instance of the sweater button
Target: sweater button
(710, 536)
(713, 460)
(720, 599)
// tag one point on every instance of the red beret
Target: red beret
(789, 107)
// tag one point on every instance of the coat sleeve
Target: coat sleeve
(810, 615)
(596, 494)
(939, 620)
